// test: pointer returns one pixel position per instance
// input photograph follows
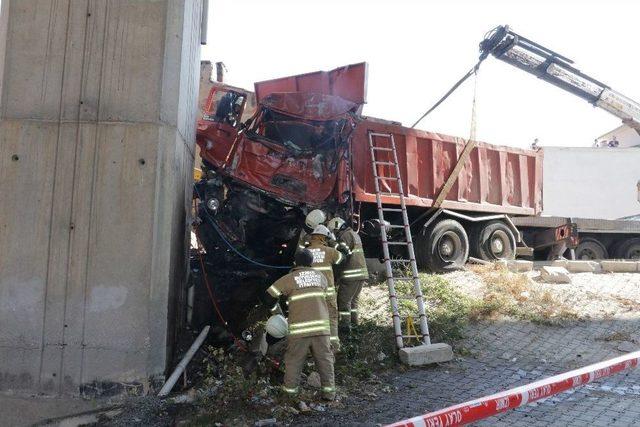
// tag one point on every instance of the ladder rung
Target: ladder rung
(395, 226)
(412, 336)
(393, 178)
(402, 261)
(387, 193)
(392, 210)
(384, 163)
(398, 243)
(373, 147)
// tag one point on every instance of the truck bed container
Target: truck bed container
(495, 179)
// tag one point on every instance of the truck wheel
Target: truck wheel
(591, 249)
(493, 241)
(629, 250)
(444, 246)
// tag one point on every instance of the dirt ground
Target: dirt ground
(506, 329)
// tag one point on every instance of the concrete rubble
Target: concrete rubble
(517, 266)
(552, 274)
(620, 266)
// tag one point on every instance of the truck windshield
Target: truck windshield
(299, 135)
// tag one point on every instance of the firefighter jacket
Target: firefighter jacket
(324, 258)
(355, 267)
(306, 292)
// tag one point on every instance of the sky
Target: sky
(416, 50)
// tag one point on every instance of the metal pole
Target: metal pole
(166, 388)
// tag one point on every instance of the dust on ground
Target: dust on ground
(366, 368)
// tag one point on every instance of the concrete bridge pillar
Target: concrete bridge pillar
(98, 103)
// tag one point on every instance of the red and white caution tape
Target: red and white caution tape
(494, 404)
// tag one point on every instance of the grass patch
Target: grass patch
(515, 295)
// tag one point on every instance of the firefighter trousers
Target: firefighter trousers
(348, 294)
(296, 357)
(332, 305)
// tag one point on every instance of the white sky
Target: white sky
(416, 50)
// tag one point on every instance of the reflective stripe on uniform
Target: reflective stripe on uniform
(331, 290)
(344, 313)
(311, 326)
(310, 329)
(328, 389)
(355, 276)
(307, 295)
(290, 390)
(355, 270)
(334, 339)
(339, 258)
(354, 310)
(310, 323)
(302, 246)
(326, 268)
(357, 250)
(355, 273)
(273, 291)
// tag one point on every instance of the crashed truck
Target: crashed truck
(308, 146)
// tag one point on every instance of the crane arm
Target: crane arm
(558, 70)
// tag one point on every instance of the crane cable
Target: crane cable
(469, 73)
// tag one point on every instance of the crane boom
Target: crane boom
(558, 70)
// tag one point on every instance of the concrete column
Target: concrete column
(98, 102)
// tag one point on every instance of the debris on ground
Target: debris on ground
(228, 394)
(550, 274)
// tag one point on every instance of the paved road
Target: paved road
(507, 354)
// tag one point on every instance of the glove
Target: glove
(344, 249)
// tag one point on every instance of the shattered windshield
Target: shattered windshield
(299, 135)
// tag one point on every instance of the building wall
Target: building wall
(98, 103)
(624, 135)
(591, 182)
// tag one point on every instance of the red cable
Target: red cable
(236, 341)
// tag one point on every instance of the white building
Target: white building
(624, 135)
(590, 182)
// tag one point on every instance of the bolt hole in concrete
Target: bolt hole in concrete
(142, 161)
(15, 157)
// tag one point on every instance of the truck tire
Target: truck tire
(493, 241)
(629, 250)
(591, 249)
(444, 246)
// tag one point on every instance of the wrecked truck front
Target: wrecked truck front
(292, 149)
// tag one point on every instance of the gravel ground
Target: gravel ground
(509, 352)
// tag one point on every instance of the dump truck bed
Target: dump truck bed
(495, 179)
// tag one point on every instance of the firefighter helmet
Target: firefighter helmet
(315, 218)
(336, 224)
(321, 230)
(277, 326)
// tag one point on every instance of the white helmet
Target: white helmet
(335, 224)
(315, 218)
(322, 231)
(277, 326)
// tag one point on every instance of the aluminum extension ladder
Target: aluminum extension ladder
(401, 339)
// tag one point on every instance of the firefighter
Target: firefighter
(311, 221)
(353, 274)
(309, 326)
(324, 260)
